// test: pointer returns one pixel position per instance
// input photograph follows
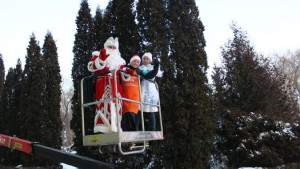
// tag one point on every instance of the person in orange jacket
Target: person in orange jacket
(130, 90)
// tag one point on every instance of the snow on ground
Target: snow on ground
(66, 166)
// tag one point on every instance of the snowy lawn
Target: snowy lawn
(66, 166)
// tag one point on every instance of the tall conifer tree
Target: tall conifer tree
(251, 82)
(15, 98)
(6, 115)
(53, 89)
(83, 47)
(120, 16)
(187, 107)
(2, 76)
(251, 99)
(7, 100)
(152, 26)
(11, 97)
(101, 32)
(34, 114)
(17, 88)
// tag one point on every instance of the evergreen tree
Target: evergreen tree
(11, 97)
(54, 124)
(6, 97)
(251, 81)
(83, 47)
(152, 26)
(2, 75)
(7, 100)
(251, 99)
(14, 105)
(33, 117)
(120, 16)
(101, 31)
(187, 106)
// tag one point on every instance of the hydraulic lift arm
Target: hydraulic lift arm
(52, 154)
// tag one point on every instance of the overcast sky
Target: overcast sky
(272, 25)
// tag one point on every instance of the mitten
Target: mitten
(155, 60)
(130, 71)
(103, 55)
(124, 76)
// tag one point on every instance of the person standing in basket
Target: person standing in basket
(149, 90)
(109, 58)
(130, 88)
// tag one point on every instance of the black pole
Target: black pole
(71, 159)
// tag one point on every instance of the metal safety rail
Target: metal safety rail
(120, 137)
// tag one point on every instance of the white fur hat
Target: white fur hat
(135, 57)
(149, 55)
(112, 42)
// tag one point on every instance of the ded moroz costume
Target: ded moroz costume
(109, 58)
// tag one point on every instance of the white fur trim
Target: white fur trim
(148, 108)
(100, 64)
(113, 117)
(91, 67)
(149, 55)
(97, 53)
(111, 42)
(102, 128)
(103, 118)
(135, 57)
(105, 128)
(125, 77)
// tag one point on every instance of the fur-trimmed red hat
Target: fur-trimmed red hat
(135, 57)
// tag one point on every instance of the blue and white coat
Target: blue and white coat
(148, 88)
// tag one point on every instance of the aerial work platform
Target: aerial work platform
(120, 138)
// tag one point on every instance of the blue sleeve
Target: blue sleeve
(145, 72)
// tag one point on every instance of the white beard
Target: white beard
(114, 60)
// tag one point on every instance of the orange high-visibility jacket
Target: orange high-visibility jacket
(130, 90)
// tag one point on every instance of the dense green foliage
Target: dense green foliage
(11, 108)
(253, 108)
(188, 117)
(179, 43)
(31, 102)
(152, 26)
(2, 74)
(32, 117)
(13, 90)
(7, 95)
(120, 17)
(83, 47)
(257, 118)
(101, 31)
(180, 46)
(53, 80)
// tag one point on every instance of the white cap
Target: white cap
(149, 55)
